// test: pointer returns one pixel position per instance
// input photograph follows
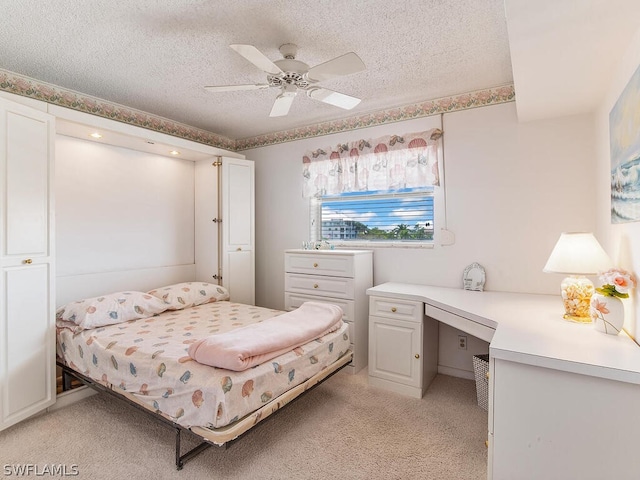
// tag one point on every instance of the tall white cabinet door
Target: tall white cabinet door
(206, 221)
(27, 330)
(224, 225)
(238, 229)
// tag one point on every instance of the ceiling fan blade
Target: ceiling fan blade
(231, 88)
(333, 98)
(258, 58)
(344, 65)
(282, 105)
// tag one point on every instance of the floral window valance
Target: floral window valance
(386, 163)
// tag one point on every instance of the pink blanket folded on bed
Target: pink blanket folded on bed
(254, 344)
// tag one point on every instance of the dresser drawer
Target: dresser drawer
(321, 286)
(294, 300)
(334, 265)
(393, 308)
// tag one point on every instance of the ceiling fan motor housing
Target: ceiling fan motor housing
(293, 74)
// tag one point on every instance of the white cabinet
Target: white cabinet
(403, 346)
(547, 423)
(224, 225)
(27, 330)
(238, 230)
(340, 277)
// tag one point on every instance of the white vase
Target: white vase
(607, 313)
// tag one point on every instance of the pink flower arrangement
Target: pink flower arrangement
(616, 282)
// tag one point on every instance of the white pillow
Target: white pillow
(110, 309)
(189, 294)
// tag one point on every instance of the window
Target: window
(405, 215)
(377, 190)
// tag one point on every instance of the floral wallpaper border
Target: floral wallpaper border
(453, 103)
(28, 87)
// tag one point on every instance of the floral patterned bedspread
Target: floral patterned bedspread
(148, 358)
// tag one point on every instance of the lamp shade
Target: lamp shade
(577, 253)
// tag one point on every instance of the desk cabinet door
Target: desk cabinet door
(395, 350)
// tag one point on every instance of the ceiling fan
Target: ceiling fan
(291, 75)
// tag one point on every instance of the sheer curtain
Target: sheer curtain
(387, 163)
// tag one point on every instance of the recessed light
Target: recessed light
(95, 135)
(174, 152)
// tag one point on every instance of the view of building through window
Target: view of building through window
(400, 215)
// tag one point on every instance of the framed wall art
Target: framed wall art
(624, 138)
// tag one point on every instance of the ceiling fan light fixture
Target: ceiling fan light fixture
(289, 90)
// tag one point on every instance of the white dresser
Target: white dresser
(340, 277)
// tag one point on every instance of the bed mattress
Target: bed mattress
(147, 358)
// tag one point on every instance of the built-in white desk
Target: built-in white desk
(563, 397)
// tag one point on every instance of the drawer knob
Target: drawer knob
(393, 309)
(315, 265)
(28, 261)
(487, 375)
(417, 355)
(315, 285)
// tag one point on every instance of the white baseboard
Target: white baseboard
(72, 396)
(456, 372)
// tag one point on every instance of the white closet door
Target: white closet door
(238, 231)
(27, 330)
(206, 221)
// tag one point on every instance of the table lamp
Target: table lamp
(577, 254)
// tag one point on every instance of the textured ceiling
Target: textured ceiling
(157, 56)
(564, 53)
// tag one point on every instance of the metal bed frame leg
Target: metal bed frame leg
(66, 381)
(179, 463)
(182, 459)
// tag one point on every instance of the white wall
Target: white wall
(621, 241)
(119, 209)
(511, 189)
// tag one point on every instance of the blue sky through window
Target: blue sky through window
(405, 214)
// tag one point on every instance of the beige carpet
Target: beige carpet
(342, 429)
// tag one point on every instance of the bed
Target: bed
(147, 360)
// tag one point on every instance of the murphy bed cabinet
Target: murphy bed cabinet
(224, 225)
(340, 277)
(27, 312)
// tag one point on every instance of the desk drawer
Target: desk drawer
(394, 308)
(320, 286)
(461, 323)
(334, 265)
